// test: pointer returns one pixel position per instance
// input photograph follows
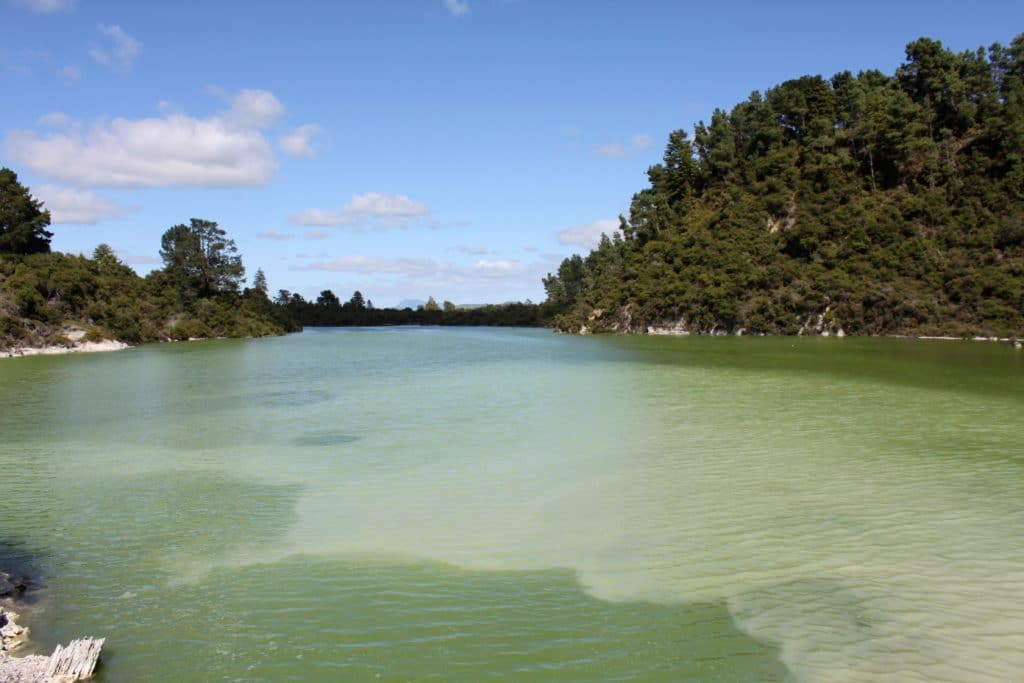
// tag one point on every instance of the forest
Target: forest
(328, 310)
(867, 204)
(198, 293)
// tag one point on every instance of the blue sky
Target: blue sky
(406, 148)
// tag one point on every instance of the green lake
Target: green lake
(418, 504)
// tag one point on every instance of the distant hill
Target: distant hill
(861, 204)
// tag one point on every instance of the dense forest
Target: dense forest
(329, 310)
(862, 204)
(51, 298)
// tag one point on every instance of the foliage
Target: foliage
(328, 310)
(200, 260)
(23, 221)
(871, 204)
(46, 296)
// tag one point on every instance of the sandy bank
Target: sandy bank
(74, 347)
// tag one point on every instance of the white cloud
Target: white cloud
(70, 73)
(472, 251)
(275, 235)
(369, 264)
(298, 143)
(457, 7)
(617, 150)
(46, 6)
(316, 235)
(398, 278)
(500, 269)
(123, 51)
(383, 209)
(255, 109)
(226, 150)
(427, 270)
(70, 205)
(135, 259)
(56, 119)
(589, 234)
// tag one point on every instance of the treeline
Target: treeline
(54, 298)
(329, 310)
(868, 203)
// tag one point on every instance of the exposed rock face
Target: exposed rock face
(624, 321)
(11, 634)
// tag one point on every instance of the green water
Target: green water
(468, 505)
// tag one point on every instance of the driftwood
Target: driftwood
(75, 662)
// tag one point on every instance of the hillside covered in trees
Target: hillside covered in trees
(52, 299)
(867, 204)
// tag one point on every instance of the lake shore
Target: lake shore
(59, 349)
(12, 636)
(113, 345)
(75, 662)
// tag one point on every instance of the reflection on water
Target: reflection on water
(603, 508)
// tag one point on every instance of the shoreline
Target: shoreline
(76, 661)
(56, 349)
(13, 668)
(108, 345)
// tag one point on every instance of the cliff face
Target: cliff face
(867, 204)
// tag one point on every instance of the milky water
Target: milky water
(467, 504)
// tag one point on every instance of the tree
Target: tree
(328, 299)
(200, 260)
(449, 307)
(23, 221)
(357, 302)
(259, 282)
(431, 305)
(107, 262)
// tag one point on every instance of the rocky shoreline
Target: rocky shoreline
(28, 669)
(74, 347)
(74, 663)
(13, 636)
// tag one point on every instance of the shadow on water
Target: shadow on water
(291, 399)
(987, 368)
(304, 618)
(26, 566)
(315, 439)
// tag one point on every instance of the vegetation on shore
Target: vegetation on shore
(56, 299)
(328, 310)
(868, 203)
(50, 298)
(862, 204)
